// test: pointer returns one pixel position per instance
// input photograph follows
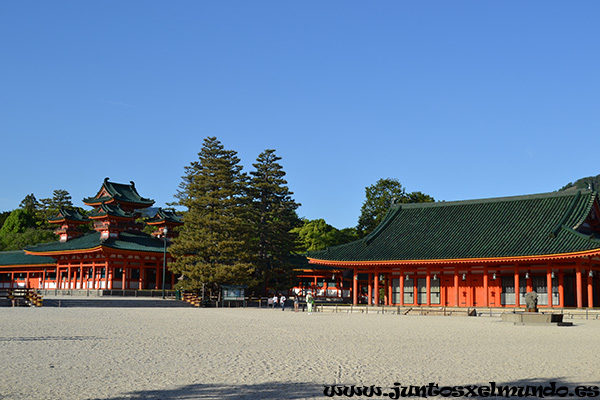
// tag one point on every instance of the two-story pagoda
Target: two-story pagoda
(116, 255)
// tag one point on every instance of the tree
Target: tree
(30, 204)
(379, 198)
(19, 231)
(273, 218)
(213, 245)
(317, 234)
(49, 207)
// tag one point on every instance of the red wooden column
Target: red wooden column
(159, 276)
(81, 278)
(561, 289)
(376, 278)
(369, 289)
(456, 292)
(143, 278)
(355, 287)
(57, 277)
(75, 278)
(388, 285)
(109, 277)
(517, 288)
(428, 288)
(486, 295)
(124, 276)
(590, 289)
(549, 284)
(579, 285)
(69, 276)
(401, 288)
(27, 280)
(94, 275)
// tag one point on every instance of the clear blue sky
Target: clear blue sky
(457, 99)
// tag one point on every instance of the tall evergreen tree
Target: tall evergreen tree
(212, 247)
(379, 198)
(273, 218)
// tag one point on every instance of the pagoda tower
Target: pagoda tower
(69, 220)
(164, 219)
(116, 208)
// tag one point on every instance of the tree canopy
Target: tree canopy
(317, 234)
(274, 216)
(213, 245)
(379, 198)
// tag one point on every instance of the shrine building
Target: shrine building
(477, 253)
(117, 254)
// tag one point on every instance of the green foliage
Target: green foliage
(273, 216)
(213, 246)
(30, 204)
(19, 230)
(583, 183)
(3, 216)
(317, 234)
(49, 207)
(379, 198)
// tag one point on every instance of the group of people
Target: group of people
(281, 299)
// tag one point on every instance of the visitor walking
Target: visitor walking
(282, 299)
(309, 302)
(274, 301)
(296, 303)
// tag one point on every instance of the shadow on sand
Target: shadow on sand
(266, 391)
(550, 388)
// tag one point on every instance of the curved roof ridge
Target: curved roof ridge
(444, 203)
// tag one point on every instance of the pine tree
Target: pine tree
(273, 218)
(212, 247)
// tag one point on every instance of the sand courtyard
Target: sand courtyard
(188, 353)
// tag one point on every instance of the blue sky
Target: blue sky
(459, 100)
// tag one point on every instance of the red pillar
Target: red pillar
(123, 275)
(94, 276)
(428, 288)
(561, 289)
(517, 288)
(158, 276)
(579, 286)
(69, 276)
(485, 288)
(376, 299)
(549, 285)
(401, 289)
(456, 291)
(355, 287)
(369, 290)
(590, 290)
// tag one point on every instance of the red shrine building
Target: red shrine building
(477, 253)
(117, 254)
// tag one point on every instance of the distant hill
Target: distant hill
(583, 183)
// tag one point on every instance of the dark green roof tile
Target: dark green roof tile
(19, 257)
(521, 226)
(120, 193)
(131, 241)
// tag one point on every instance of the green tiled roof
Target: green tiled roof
(113, 210)
(132, 241)
(69, 215)
(534, 225)
(120, 193)
(164, 216)
(18, 257)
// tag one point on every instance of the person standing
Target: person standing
(274, 301)
(282, 300)
(296, 303)
(309, 302)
